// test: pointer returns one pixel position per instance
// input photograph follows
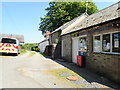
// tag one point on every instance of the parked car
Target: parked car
(9, 45)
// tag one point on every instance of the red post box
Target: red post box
(80, 61)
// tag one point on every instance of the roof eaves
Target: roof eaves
(43, 40)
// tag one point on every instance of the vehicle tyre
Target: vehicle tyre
(19, 52)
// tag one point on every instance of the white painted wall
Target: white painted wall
(74, 49)
(42, 46)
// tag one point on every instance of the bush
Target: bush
(32, 47)
(35, 48)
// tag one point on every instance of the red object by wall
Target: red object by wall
(80, 61)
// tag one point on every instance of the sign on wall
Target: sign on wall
(83, 44)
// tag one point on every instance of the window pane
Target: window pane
(106, 43)
(97, 44)
(7, 40)
(116, 42)
(83, 44)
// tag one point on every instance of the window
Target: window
(109, 43)
(97, 44)
(106, 43)
(8, 40)
(116, 42)
(82, 44)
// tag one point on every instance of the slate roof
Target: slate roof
(60, 28)
(109, 13)
(72, 22)
(43, 41)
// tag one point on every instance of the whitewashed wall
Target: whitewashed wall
(42, 46)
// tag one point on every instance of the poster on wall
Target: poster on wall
(116, 43)
(82, 44)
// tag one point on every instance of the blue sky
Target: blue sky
(24, 18)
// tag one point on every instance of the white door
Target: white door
(74, 49)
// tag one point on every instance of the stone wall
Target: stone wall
(104, 65)
(53, 38)
(55, 41)
(107, 65)
(66, 47)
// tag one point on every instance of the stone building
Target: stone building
(55, 36)
(98, 36)
(42, 45)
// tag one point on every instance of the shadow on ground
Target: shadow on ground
(87, 75)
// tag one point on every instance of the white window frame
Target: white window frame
(101, 38)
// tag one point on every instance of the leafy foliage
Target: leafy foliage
(29, 46)
(22, 49)
(62, 12)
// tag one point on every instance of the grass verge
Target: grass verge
(57, 73)
(22, 51)
(32, 53)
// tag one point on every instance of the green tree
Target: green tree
(62, 12)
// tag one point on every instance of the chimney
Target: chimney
(47, 34)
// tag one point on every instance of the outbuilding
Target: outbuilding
(42, 45)
(55, 36)
(98, 36)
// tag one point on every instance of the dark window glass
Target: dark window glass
(116, 42)
(106, 43)
(8, 40)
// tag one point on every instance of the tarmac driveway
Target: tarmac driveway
(36, 71)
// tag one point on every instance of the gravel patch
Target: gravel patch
(65, 74)
(82, 82)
